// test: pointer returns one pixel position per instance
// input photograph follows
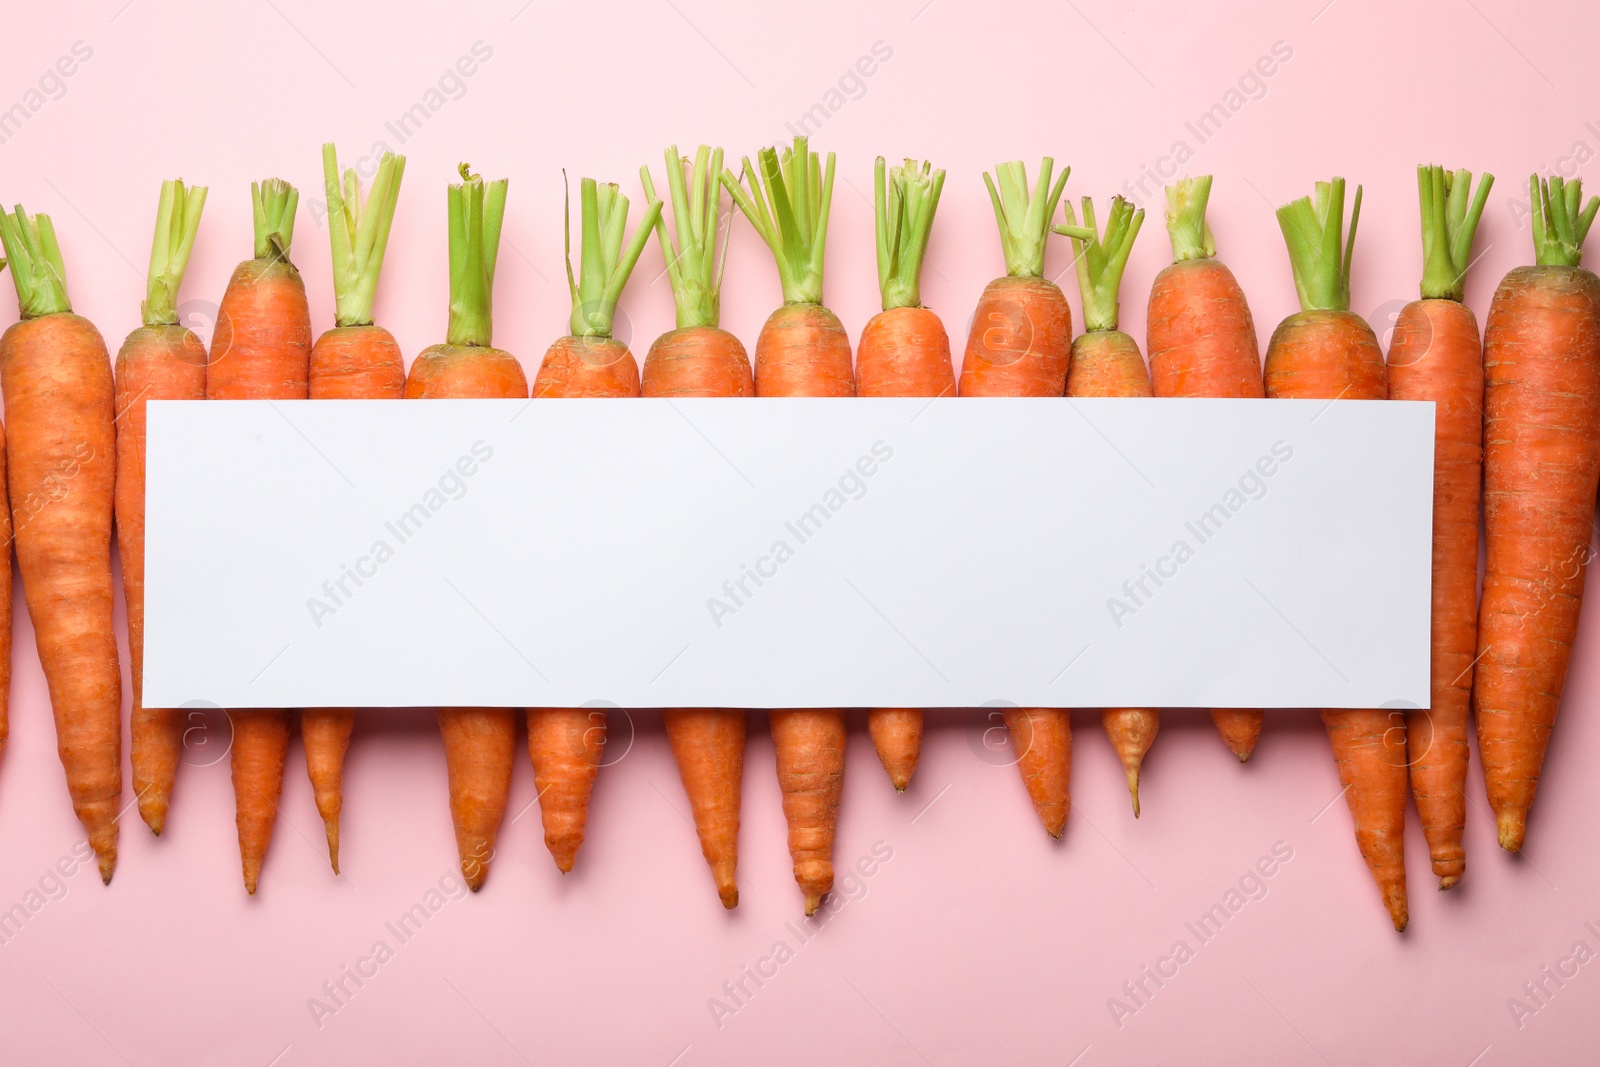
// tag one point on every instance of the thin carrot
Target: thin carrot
(802, 351)
(1435, 355)
(904, 351)
(161, 360)
(1541, 467)
(479, 743)
(1202, 343)
(1325, 352)
(60, 409)
(356, 360)
(697, 359)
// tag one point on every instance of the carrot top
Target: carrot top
(604, 263)
(1559, 227)
(177, 221)
(359, 233)
(1321, 261)
(273, 202)
(1101, 260)
(1024, 220)
(787, 203)
(1186, 219)
(693, 269)
(1448, 225)
(476, 209)
(35, 260)
(906, 199)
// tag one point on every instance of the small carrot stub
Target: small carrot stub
(1042, 740)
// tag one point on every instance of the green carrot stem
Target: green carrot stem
(1559, 226)
(693, 269)
(1186, 219)
(1448, 225)
(605, 263)
(906, 199)
(1312, 231)
(1024, 220)
(273, 203)
(787, 202)
(359, 233)
(177, 222)
(35, 260)
(1101, 259)
(476, 209)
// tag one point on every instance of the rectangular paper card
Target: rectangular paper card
(789, 553)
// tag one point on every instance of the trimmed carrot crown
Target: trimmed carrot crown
(693, 269)
(359, 233)
(1186, 219)
(1559, 226)
(476, 210)
(35, 260)
(906, 199)
(1101, 259)
(177, 221)
(1312, 229)
(1024, 220)
(1448, 225)
(273, 203)
(787, 203)
(604, 263)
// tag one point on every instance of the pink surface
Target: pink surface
(979, 940)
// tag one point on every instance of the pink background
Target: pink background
(980, 940)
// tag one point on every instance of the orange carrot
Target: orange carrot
(60, 408)
(1202, 342)
(1435, 355)
(1324, 352)
(261, 350)
(1042, 739)
(479, 743)
(161, 360)
(802, 351)
(356, 360)
(1541, 467)
(697, 359)
(904, 351)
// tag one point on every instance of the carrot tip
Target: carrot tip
(1133, 789)
(1448, 882)
(730, 896)
(1511, 825)
(813, 902)
(108, 865)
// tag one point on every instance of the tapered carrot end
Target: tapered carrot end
(1244, 757)
(153, 810)
(564, 861)
(474, 874)
(333, 846)
(1240, 729)
(1395, 897)
(1448, 881)
(250, 882)
(108, 866)
(1512, 825)
(730, 896)
(813, 902)
(1133, 789)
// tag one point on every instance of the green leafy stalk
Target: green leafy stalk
(1321, 261)
(177, 222)
(787, 202)
(1186, 219)
(1024, 220)
(35, 260)
(693, 268)
(604, 264)
(1448, 224)
(273, 203)
(1559, 226)
(906, 199)
(359, 233)
(476, 210)
(1101, 259)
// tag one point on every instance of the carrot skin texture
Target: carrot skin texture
(1042, 739)
(1021, 340)
(154, 363)
(1435, 354)
(465, 372)
(261, 348)
(803, 351)
(1240, 729)
(565, 746)
(1541, 467)
(809, 744)
(260, 747)
(697, 361)
(897, 737)
(60, 411)
(1131, 731)
(579, 367)
(325, 732)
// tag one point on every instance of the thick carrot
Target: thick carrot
(1021, 337)
(356, 360)
(161, 360)
(1202, 343)
(1042, 739)
(261, 350)
(1541, 466)
(1325, 352)
(1107, 362)
(61, 472)
(479, 743)
(1435, 355)
(904, 351)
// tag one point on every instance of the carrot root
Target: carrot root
(1131, 730)
(897, 736)
(1042, 739)
(260, 745)
(480, 748)
(708, 745)
(565, 746)
(325, 733)
(1240, 729)
(809, 745)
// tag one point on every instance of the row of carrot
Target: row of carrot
(1517, 421)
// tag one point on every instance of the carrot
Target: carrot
(802, 351)
(479, 743)
(60, 407)
(697, 359)
(161, 360)
(1435, 355)
(1021, 336)
(356, 360)
(904, 351)
(1107, 362)
(1042, 739)
(1324, 352)
(261, 350)
(1541, 466)
(1202, 343)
